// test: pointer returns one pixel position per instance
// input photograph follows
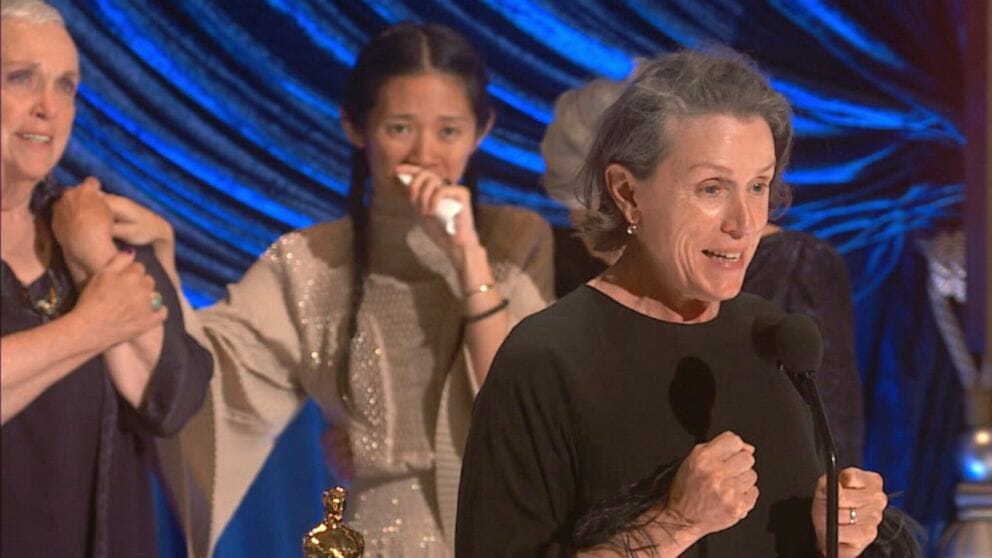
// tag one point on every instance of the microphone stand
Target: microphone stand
(806, 384)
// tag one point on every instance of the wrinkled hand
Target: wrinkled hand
(82, 223)
(861, 491)
(714, 488)
(137, 225)
(117, 301)
(425, 191)
(337, 451)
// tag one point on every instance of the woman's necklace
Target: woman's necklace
(46, 295)
(47, 305)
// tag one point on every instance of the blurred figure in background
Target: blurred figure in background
(95, 359)
(564, 148)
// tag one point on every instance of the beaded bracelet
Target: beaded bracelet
(484, 288)
(483, 315)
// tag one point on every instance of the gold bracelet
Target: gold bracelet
(483, 288)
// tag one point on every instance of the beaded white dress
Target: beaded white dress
(277, 338)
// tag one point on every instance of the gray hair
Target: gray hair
(34, 11)
(633, 131)
(567, 139)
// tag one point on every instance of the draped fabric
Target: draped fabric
(223, 116)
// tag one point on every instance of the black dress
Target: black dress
(588, 397)
(800, 273)
(75, 462)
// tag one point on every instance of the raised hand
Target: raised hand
(120, 301)
(715, 487)
(136, 224)
(862, 502)
(425, 191)
(82, 223)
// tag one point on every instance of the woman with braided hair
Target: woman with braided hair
(388, 317)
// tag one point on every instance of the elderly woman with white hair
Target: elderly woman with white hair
(564, 147)
(94, 354)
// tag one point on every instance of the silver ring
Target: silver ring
(852, 516)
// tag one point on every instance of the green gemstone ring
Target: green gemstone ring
(157, 301)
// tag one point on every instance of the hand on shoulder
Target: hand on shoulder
(82, 224)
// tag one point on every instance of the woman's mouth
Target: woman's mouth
(723, 256)
(35, 138)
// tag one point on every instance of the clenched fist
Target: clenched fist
(715, 487)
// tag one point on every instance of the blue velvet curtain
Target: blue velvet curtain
(223, 116)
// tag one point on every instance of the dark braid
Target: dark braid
(360, 256)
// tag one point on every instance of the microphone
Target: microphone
(445, 212)
(794, 341)
(799, 344)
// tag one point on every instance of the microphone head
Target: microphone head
(798, 343)
(763, 332)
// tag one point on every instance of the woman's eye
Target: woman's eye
(20, 77)
(67, 86)
(396, 129)
(759, 187)
(450, 132)
(710, 189)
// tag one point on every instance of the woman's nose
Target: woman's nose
(422, 152)
(46, 103)
(740, 218)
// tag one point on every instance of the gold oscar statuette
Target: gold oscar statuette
(331, 538)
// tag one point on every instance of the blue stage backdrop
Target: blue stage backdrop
(223, 116)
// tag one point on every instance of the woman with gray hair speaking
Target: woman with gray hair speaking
(644, 385)
(796, 270)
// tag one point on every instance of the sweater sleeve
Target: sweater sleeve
(533, 288)
(519, 244)
(518, 478)
(523, 264)
(255, 392)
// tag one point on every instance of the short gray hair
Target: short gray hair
(567, 139)
(34, 11)
(633, 131)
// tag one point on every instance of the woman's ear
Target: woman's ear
(355, 136)
(485, 129)
(622, 186)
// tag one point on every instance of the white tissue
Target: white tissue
(445, 212)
